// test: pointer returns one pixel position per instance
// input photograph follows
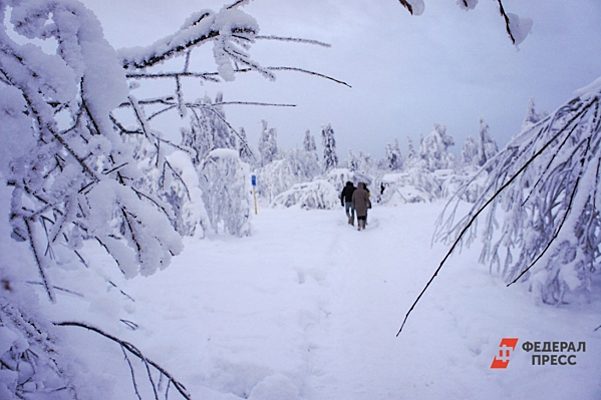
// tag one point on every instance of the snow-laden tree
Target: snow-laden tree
(470, 152)
(394, 158)
(245, 152)
(330, 158)
(532, 116)
(73, 179)
(225, 191)
(268, 144)
(550, 235)
(434, 149)
(294, 166)
(209, 129)
(309, 142)
(412, 158)
(353, 162)
(487, 146)
(477, 152)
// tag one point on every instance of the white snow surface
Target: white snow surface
(308, 308)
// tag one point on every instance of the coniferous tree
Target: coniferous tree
(268, 146)
(330, 159)
(309, 142)
(394, 158)
(244, 150)
(434, 149)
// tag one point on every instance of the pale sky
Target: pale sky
(446, 66)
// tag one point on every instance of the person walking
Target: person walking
(361, 203)
(346, 200)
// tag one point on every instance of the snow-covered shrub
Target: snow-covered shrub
(319, 194)
(225, 191)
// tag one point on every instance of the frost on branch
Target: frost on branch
(231, 30)
(68, 183)
(545, 183)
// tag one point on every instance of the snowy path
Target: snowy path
(308, 308)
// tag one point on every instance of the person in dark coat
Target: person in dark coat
(361, 203)
(346, 201)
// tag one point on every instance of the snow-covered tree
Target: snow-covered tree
(477, 152)
(330, 159)
(244, 150)
(550, 236)
(394, 158)
(487, 146)
(532, 116)
(225, 191)
(309, 142)
(470, 153)
(268, 144)
(209, 129)
(413, 158)
(73, 178)
(353, 161)
(434, 149)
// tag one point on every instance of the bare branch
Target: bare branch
(506, 19)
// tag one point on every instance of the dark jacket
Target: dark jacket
(347, 193)
(361, 201)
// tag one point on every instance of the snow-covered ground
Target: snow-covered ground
(308, 308)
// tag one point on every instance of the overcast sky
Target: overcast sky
(446, 66)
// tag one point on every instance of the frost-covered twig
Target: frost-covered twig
(131, 349)
(293, 39)
(545, 211)
(296, 69)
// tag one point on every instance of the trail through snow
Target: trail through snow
(308, 308)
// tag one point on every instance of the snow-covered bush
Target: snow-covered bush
(319, 194)
(225, 191)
